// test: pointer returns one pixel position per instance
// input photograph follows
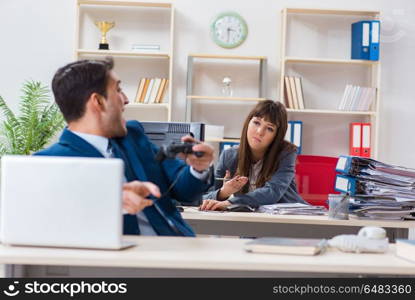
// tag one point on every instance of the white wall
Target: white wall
(37, 37)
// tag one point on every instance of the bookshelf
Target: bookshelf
(315, 46)
(135, 23)
(204, 99)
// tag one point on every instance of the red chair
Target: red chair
(315, 176)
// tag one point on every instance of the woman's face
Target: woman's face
(260, 134)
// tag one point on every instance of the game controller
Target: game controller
(170, 151)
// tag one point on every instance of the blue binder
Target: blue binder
(345, 184)
(344, 164)
(295, 134)
(365, 40)
(374, 40)
(360, 40)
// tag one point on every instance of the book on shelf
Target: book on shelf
(154, 90)
(163, 92)
(293, 92)
(357, 98)
(288, 94)
(160, 90)
(406, 249)
(144, 91)
(346, 94)
(149, 89)
(299, 91)
(291, 246)
(140, 90)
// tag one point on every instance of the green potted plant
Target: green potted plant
(38, 121)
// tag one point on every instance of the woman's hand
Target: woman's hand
(211, 204)
(231, 185)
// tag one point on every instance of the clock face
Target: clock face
(229, 30)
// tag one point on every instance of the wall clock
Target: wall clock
(229, 30)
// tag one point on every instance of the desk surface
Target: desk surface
(192, 213)
(208, 254)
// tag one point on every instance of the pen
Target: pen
(222, 179)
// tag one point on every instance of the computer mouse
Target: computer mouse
(240, 208)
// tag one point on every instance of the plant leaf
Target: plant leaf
(38, 121)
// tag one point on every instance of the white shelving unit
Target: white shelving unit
(135, 23)
(208, 97)
(326, 129)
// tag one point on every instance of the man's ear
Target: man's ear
(97, 101)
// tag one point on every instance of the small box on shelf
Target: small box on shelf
(145, 47)
(214, 132)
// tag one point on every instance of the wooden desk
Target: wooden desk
(261, 224)
(195, 257)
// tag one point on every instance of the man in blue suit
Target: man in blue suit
(91, 100)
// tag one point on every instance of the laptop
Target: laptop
(61, 202)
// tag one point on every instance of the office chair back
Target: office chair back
(315, 176)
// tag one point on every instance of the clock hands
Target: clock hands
(228, 30)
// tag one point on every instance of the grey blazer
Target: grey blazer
(281, 188)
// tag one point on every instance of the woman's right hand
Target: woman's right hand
(231, 185)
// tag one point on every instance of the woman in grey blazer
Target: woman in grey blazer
(261, 170)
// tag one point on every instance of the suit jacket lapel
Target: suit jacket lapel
(135, 159)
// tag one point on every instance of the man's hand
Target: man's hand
(231, 185)
(134, 195)
(211, 204)
(199, 163)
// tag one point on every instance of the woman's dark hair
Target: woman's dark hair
(74, 83)
(275, 113)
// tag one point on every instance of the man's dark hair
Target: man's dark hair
(74, 83)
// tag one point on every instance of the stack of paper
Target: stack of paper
(380, 190)
(292, 209)
(385, 213)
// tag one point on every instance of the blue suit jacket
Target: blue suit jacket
(140, 155)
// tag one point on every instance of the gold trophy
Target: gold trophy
(104, 27)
